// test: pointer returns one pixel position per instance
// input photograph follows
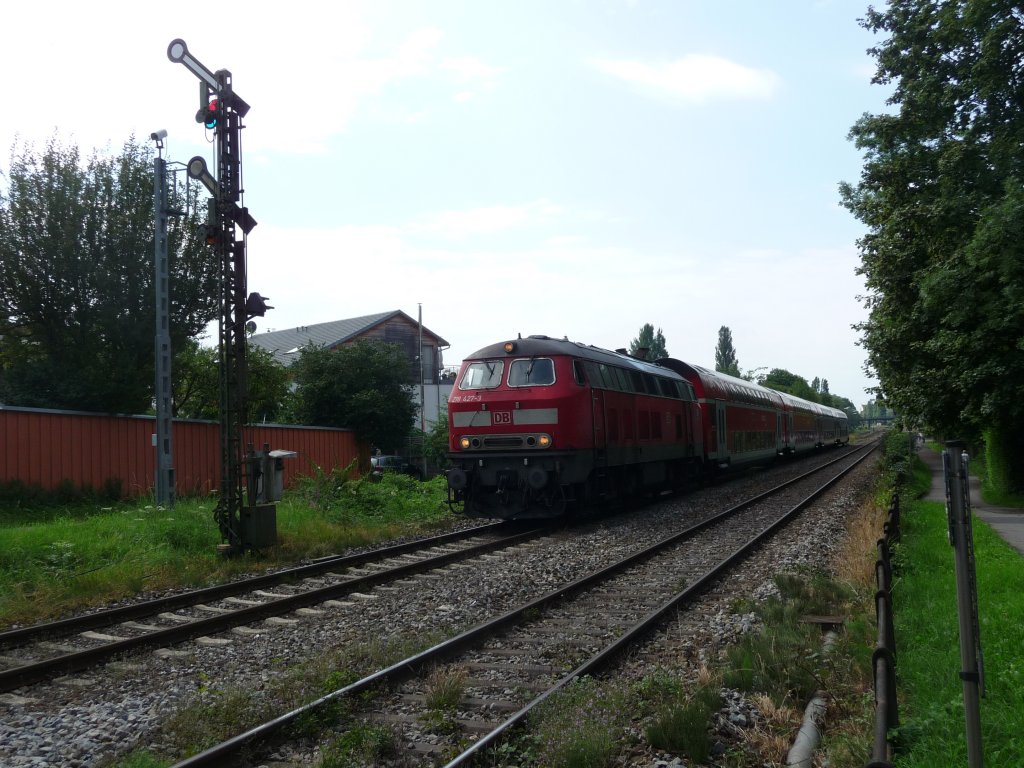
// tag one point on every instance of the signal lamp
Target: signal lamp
(464, 443)
(510, 347)
(210, 233)
(544, 441)
(256, 305)
(208, 115)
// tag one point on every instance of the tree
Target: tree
(653, 342)
(77, 316)
(363, 386)
(196, 384)
(782, 380)
(435, 442)
(725, 354)
(942, 195)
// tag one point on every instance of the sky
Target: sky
(563, 167)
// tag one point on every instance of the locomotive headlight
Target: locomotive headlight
(464, 443)
(544, 440)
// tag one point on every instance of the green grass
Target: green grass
(927, 639)
(54, 560)
(583, 726)
(219, 711)
(682, 726)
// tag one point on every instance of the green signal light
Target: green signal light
(208, 115)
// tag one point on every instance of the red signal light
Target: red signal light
(208, 114)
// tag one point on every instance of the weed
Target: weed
(684, 727)
(362, 744)
(445, 686)
(582, 725)
(520, 749)
(215, 714)
(440, 722)
(140, 759)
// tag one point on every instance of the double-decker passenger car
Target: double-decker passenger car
(742, 421)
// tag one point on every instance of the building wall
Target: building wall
(436, 398)
(400, 331)
(46, 447)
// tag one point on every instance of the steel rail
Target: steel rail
(110, 616)
(604, 658)
(221, 754)
(17, 677)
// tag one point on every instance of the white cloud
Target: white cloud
(473, 76)
(470, 68)
(559, 285)
(457, 225)
(696, 78)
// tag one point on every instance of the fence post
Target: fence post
(958, 514)
(883, 660)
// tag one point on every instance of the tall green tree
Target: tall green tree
(725, 353)
(653, 342)
(196, 384)
(362, 386)
(782, 380)
(942, 195)
(77, 308)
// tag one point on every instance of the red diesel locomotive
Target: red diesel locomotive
(538, 423)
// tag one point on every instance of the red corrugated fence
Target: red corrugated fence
(46, 447)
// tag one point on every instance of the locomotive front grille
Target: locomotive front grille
(503, 442)
(528, 441)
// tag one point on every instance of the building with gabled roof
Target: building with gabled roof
(394, 327)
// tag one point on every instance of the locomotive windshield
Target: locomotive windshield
(485, 375)
(535, 372)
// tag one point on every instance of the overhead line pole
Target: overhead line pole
(164, 486)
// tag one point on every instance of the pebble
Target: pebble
(53, 725)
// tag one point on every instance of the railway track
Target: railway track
(31, 654)
(510, 664)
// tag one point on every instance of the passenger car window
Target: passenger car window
(533, 372)
(484, 375)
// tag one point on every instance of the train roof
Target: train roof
(539, 346)
(718, 384)
(721, 385)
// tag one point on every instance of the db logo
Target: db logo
(502, 417)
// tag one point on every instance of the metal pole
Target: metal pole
(958, 509)
(423, 400)
(164, 490)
